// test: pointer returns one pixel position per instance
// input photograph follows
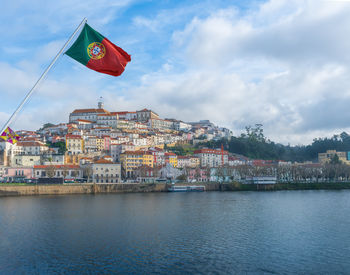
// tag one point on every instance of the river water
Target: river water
(285, 232)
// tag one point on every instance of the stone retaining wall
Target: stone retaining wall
(29, 190)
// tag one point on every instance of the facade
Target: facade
(126, 115)
(234, 161)
(57, 171)
(18, 173)
(145, 115)
(198, 174)
(105, 171)
(125, 124)
(117, 149)
(84, 124)
(329, 155)
(158, 156)
(161, 124)
(74, 144)
(86, 114)
(101, 131)
(187, 161)
(131, 160)
(26, 160)
(53, 159)
(211, 157)
(107, 119)
(90, 144)
(181, 126)
(171, 158)
(29, 148)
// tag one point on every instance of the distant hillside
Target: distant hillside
(254, 144)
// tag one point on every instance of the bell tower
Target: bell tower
(100, 103)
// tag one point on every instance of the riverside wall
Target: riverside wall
(31, 190)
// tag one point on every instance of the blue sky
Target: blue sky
(284, 64)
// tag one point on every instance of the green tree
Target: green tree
(335, 160)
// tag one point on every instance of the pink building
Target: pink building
(19, 172)
(198, 175)
(107, 143)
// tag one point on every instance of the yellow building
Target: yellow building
(74, 144)
(131, 160)
(171, 158)
(100, 144)
(327, 157)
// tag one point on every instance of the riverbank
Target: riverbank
(235, 186)
(32, 190)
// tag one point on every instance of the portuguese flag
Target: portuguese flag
(98, 53)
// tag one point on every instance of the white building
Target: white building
(84, 124)
(145, 115)
(107, 120)
(181, 126)
(117, 149)
(57, 171)
(29, 148)
(86, 114)
(105, 171)
(161, 124)
(211, 157)
(26, 160)
(74, 144)
(187, 161)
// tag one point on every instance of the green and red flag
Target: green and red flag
(96, 52)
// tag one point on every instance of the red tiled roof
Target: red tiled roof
(78, 111)
(103, 161)
(29, 143)
(84, 120)
(134, 152)
(73, 137)
(69, 166)
(210, 151)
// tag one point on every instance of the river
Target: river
(282, 232)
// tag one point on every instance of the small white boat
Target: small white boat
(184, 188)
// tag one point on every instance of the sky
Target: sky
(281, 63)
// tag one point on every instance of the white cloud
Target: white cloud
(281, 72)
(284, 64)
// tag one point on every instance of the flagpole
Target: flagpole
(42, 77)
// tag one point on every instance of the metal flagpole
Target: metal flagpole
(42, 76)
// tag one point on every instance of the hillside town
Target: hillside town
(99, 146)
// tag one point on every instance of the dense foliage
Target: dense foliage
(47, 125)
(254, 144)
(61, 145)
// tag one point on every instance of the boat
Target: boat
(185, 188)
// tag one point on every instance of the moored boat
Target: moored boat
(184, 188)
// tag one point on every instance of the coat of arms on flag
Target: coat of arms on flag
(10, 136)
